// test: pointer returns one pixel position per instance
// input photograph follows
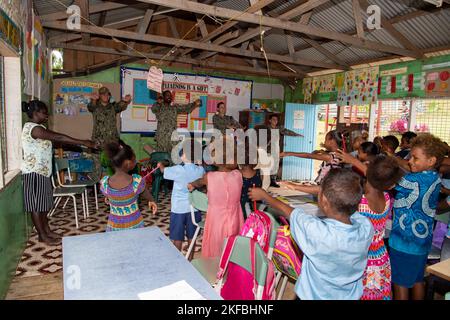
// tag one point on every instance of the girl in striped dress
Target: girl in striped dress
(376, 204)
(122, 190)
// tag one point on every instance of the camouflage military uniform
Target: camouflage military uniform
(105, 129)
(166, 115)
(222, 123)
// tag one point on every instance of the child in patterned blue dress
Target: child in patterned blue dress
(415, 206)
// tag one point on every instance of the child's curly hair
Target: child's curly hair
(431, 145)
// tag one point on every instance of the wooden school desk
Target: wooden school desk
(440, 269)
(295, 199)
(124, 264)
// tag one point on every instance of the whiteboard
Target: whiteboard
(237, 95)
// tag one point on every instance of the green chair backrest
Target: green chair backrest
(447, 296)
(273, 231)
(61, 164)
(159, 156)
(198, 200)
(241, 256)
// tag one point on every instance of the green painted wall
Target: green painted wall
(14, 229)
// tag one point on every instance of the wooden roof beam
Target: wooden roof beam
(214, 65)
(186, 43)
(282, 24)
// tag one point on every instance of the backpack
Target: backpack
(258, 227)
(287, 257)
(241, 284)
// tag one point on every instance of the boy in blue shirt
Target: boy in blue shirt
(187, 172)
(335, 248)
(415, 205)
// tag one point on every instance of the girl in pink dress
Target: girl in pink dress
(224, 217)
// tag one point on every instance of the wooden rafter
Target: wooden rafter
(142, 26)
(186, 43)
(102, 7)
(305, 9)
(282, 24)
(253, 8)
(392, 31)
(394, 20)
(208, 64)
(358, 18)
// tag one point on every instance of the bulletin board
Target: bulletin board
(437, 79)
(69, 108)
(185, 88)
(400, 80)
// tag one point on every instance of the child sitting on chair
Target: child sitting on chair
(182, 174)
(335, 248)
(122, 189)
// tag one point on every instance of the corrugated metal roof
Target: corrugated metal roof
(51, 6)
(311, 54)
(338, 17)
(280, 6)
(122, 14)
(240, 5)
(391, 8)
(275, 43)
(383, 36)
(427, 31)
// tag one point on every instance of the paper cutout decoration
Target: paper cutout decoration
(155, 79)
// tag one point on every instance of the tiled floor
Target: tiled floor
(39, 259)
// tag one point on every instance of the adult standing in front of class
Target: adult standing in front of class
(104, 112)
(37, 167)
(166, 114)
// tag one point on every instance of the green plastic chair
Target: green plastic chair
(158, 176)
(273, 234)
(198, 201)
(208, 267)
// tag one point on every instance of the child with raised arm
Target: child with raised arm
(224, 217)
(415, 205)
(376, 204)
(181, 225)
(335, 248)
(334, 140)
(122, 190)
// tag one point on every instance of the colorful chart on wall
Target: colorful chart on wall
(400, 80)
(437, 79)
(360, 87)
(185, 88)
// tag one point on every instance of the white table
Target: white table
(123, 264)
